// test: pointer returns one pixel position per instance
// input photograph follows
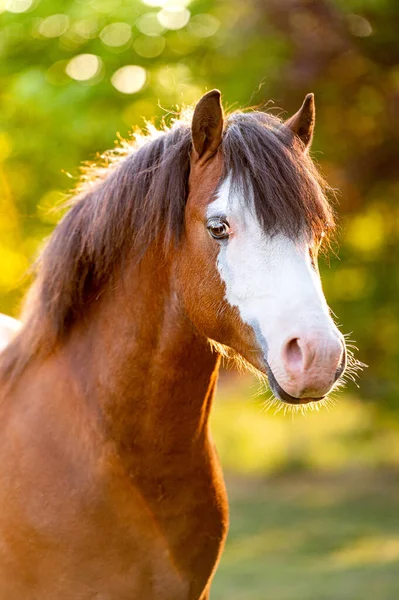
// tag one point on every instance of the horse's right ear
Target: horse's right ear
(207, 126)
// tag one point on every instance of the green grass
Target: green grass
(312, 537)
(314, 500)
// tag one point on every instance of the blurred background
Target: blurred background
(313, 498)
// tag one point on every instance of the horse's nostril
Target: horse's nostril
(293, 354)
(311, 363)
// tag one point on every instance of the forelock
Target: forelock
(267, 165)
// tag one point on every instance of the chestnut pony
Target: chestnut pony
(204, 234)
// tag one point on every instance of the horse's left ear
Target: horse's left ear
(207, 125)
(302, 123)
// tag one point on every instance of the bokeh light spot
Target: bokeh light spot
(56, 73)
(149, 24)
(54, 26)
(87, 28)
(19, 6)
(116, 34)
(359, 26)
(84, 67)
(149, 46)
(105, 6)
(129, 79)
(203, 26)
(174, 18)
(366, 231)
(167, 3)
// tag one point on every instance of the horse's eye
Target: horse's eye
(218, 228)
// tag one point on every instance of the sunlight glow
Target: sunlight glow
(171, 77)
(129, 79)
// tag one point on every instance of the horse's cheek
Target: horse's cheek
(199, 286)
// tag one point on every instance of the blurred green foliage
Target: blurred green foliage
(253, 441)
(75, 72)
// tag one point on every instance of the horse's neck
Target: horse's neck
(139, 358)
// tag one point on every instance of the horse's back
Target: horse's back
(8, 329)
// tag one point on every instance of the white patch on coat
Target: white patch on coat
(271, 280)
(8, 329)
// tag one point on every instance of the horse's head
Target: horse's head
(254, 220)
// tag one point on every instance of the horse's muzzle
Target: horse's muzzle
(284, 396)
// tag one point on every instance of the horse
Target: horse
(8, 328)
(187, 242)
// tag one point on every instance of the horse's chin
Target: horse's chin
(287, 399)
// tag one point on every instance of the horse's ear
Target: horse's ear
(302, 123)
(207, 125)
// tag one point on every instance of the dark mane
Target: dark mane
(137, 194)
(261, 155)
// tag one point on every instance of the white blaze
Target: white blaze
(270, 279)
